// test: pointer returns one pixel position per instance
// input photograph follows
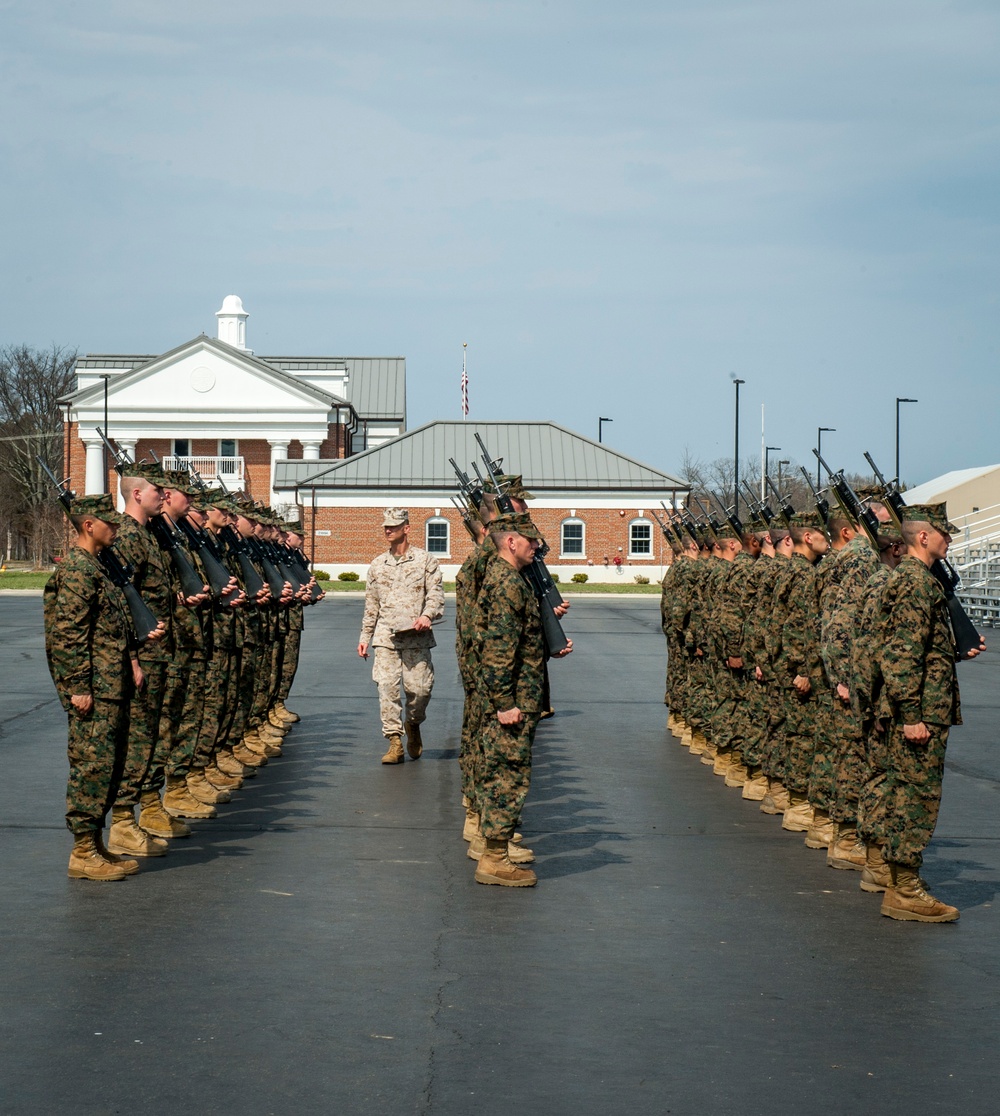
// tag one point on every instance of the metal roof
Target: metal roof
(375, 388)
(548, 457)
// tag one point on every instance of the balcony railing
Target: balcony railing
(230, 469)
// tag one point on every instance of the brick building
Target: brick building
(232, 414)
(592, 503)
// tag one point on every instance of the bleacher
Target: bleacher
(975, 554)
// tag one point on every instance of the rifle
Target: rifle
(758, 507)
(469, 497)
(822, 505)
(966, 637)
(119, 571)
(851, 503)
(238, 547)
(536, 572)
(713, 525)
(730, 516)
(785, 509)
(163, 531)
(686, 521)
(670, 533)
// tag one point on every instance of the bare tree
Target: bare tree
(31, 384)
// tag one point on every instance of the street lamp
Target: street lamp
(600, 428)
(898, 401)
(736, 451)
(820, 431)
(767, 459)
(784, 461)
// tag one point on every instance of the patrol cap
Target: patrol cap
(295, 525)
(725, 532)
(395, 517)
(934, 514)
(100, 507)
(524, 526)
(868, 492)
(180, 481)
(149, 471)
(515, 486)
(807, 519)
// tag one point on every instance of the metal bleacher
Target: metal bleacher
(975, 554)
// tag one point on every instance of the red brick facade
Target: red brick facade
(356, 535)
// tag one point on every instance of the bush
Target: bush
(640, 580)
(321, 575)
(554, 576)
(348, 575)
(579, 578)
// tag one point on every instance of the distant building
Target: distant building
(592, 503)
(231, 413)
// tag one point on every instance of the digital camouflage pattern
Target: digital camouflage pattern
(397, 591)
(468, 584)
(413, 668)
(151, 578)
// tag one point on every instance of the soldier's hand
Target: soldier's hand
(264, 595)
(735, 662)
(977, 650)
(917, 734)
(232, 587)
(137, 676)
(561, 610)
(758, 674)
(421, 624)
(565, 651)
(510, 716)
(157, 633)
(82, 703)
(801, 684)
(363, 650)
(843, 693)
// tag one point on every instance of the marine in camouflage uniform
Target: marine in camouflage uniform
(90, 647)
(919, 703)
(401, 588)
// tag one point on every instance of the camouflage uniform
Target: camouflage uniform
(468, 584)
(866, 682)
(398, 591)
(511, 658)
(675, 614)
(729, 722)
(758, 592)
(88, 636)
(917, 664)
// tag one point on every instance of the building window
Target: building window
(571, 539)
(438, 537)
(640, 539)
(229, 447)
(182, 447)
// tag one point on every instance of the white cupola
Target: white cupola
(233, 322)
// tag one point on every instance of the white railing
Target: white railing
(230, 469)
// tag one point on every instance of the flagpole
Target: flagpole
(465, 385)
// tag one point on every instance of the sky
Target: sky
(619, 208)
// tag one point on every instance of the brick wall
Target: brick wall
(356, 534)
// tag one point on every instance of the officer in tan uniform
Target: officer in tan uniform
(404, 595)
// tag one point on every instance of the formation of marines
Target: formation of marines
(172, 724)
(812, 665)
(502, 657)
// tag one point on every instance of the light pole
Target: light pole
(736, 451)
(820, 431)
(784, 461)
(600, 428)
(105, 376)
(898, 401)
(767, 460)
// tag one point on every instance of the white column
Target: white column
(310, 451)
(279, 452)
(128, 445)
(96, 479)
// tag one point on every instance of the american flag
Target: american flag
(465, 384)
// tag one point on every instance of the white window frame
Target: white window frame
(236, 443)
(572, 555)
(446, 553)
(643, 555)
(173, 448)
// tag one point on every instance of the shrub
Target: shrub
(347, 575)
(579, 578)
(321, 575)
(554, 576)
(640, 580)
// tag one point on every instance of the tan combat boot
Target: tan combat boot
(414, 744)
(276, 721)
(755, 788)
(395, 752)
(155, 820)
(219, 779)
(86, 863)
(723, 761)
(199, 787)
(708, 752)
(286, 712)
(687, 737)
(126, 863)
(519, 854)
(248, 759)
(875, 876)
(179, 802)
(270, 731)
(736, 774)
(697, 743)
(777, 800)
(495, 867)
(228, 764)
(799, 815)
(471, 828)
(908, 900)
(847, 850)
(822, 832)
(477, 846)
(260, 745)
(126, 837)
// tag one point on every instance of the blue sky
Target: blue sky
(618, 207)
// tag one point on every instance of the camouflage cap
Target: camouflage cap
(807, 519)
(295, 525)
(725, 532)
(180, 481)
(868, 492)
(515, 486)
(934, 514)
(149, 471)
(100, 507)
(395, 517)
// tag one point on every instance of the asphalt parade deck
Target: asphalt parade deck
(321, 947)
